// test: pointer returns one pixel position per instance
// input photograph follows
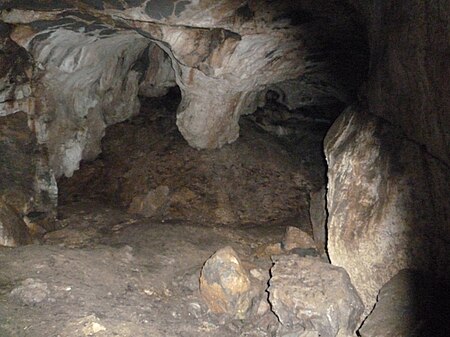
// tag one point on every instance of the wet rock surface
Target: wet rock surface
(307, 294)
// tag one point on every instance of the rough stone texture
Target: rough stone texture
(223, 53)
(387, 202)
(25, 181)
(13, 230)
(408, 82)
(397, 312)
(86, 86)
(310, 294)
(225, 284)
(318, 216)
(159, 76)
(296, 238)
(151, 204)
(31, 292)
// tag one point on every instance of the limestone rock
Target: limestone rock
(151, 204)
(296, 238)
(13, 230)
(318, 217)
(225, 284)
(310, 294)
(397, 312)
(387, 202)
(31, 291)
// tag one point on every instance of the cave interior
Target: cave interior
(224, 168)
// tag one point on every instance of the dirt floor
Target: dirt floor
(109, 272)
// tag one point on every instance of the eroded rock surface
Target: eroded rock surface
(387, 203)
(307, 294)
(13, 230)
(225, 284)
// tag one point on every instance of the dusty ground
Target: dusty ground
(106, 272)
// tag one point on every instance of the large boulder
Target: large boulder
(387, 203)
(306, 293)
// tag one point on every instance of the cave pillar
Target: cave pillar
(209, 113)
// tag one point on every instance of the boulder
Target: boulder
(313, 295)
(387, 202)
(225, 284)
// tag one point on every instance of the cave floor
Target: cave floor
(131, 276)
(108, 272)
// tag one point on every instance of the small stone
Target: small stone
(296, 238)
(31, 292)
(225, 284)
(307, 293)
(257, 274)
(269, 250)
(194, 309)
(153, 203)
(93, 328)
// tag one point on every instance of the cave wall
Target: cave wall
(409, 68)
(388, 156)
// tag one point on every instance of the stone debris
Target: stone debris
(296, 238)
(310, 294)
(31, 292)
(151, 204)
(225, 284)
(397, 311)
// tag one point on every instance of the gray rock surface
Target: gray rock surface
(318, 217)
(31, 292)
(313, 295)
(398, 309)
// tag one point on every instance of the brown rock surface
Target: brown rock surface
(296, 238)
(152, 203)
(225, 284)
(310, 294)
(387, 203)
(13, 231)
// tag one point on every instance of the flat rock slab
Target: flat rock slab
(310, 294)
